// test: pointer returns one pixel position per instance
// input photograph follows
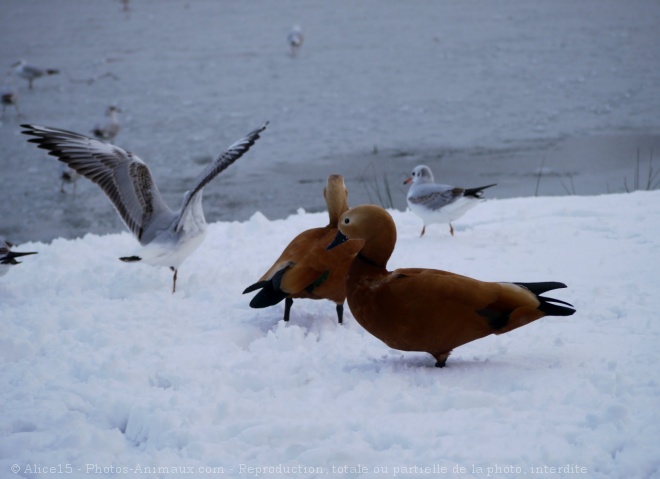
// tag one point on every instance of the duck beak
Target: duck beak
(408, 180)
(339, 239)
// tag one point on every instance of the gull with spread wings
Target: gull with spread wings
(167, 237)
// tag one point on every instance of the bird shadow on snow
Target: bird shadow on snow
(406, 361)
(307, 319)
(397, 361)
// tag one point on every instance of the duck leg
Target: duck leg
(340, 313)
(441, 359)
(288, 302)
(174, 278)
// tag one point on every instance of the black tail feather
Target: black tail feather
(549, 305)
(476, 192)
(542, 287)
(270, 293)
(268, 296)
(255, 286)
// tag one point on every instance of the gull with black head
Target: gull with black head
(438, 203)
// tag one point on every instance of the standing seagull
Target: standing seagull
(108, 130)
(24, 70)
(436, 203)
(167, 237)
(8, 257)
(295, 39)
(9, 97)
(68, 175)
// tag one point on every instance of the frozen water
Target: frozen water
(480, 92)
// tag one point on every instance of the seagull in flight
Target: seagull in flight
(167, 237)
(8, 257)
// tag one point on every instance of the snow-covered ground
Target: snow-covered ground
(105, 373)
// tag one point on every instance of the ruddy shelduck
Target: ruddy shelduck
(306, 269)
(418, 309)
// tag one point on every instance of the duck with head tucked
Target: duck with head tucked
(306, 269)
(418, 309)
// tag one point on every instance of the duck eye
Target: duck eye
(346, 221)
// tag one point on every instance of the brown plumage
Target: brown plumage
(306, 269)
(417, 309)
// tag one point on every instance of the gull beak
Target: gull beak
(407, 180)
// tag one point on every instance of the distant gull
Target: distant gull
(436, 203)
(68, 175)
(24, 70)
(167, 237)
(8, 257)
(295, 39)
(9, 97)
(108, 130)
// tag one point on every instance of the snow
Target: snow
(104, 368)
(107, 374)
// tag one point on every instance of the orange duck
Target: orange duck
(418, 309)
(306, 269)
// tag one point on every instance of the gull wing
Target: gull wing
(122, 176)
(435, 196)
(233, 153)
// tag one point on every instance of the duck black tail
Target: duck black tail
(550, 306)
(270, 293)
